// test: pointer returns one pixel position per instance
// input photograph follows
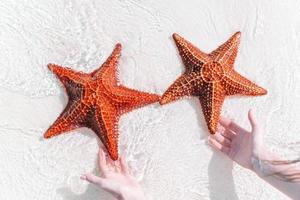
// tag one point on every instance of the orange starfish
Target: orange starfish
(210, 77)
(96, 101)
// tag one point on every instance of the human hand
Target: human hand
(247, 149)
(116, 179)
(239, 144)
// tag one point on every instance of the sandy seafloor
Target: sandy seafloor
(165, 146)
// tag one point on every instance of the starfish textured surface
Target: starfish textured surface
(210, 77)
(96, 101)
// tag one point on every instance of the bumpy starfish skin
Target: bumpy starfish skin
(96, 101)
(210, 77)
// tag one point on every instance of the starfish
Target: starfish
(96, 101)
(210, 77)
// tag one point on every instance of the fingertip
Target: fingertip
(218, 132)
(122, 158)
(250, 113)
(89, 178)
(101, 151)
(123, 164)
(220, 128)
(102, 161)
(103, 155)
(100, 157)
(251, 118)
(210, 140)
(209, 143)
(92, 178)
(224, 121)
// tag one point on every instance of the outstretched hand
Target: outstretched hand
(116, 178)
(237, 143)
(247, 149)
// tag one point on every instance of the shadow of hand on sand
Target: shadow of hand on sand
(221, 183)
(92, 193)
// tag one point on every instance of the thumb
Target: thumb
(257, 138)
(252, 120)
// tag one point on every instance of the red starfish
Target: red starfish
(210, 77)
(96, 101)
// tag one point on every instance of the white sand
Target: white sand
(165, 145)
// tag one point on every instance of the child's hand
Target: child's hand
(116, 179)
(237, 143)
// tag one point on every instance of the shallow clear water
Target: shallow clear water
(165, 145)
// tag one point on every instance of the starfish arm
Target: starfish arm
(129, 99)
(65, 74)
(211, 102)
(72, 81)
(234, 83)
(68, 120)
(107, 74)
(192, 57)
(109, 66)
(104, 124)
(187, 84)
(227, 52)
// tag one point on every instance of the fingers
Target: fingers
(230, 124)
(228, 134)
(214, 143)
(124, 167)
(103, 183)
(115, 166)
(224, 121)
(221, 139)
(92, 179)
